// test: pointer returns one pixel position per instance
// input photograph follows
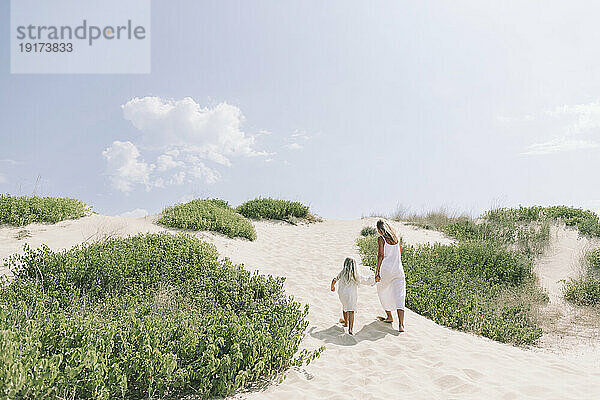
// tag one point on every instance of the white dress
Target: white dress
(348, 291)
(391, 289)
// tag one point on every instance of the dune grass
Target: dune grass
(473, 286)
(525, 230)
(145, 317)
(268, 208)
(208, 215)
(504, 227)
(585, 290)
(585, 221)
(24, 210)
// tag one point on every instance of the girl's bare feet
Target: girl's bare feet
(342, 321)
(386, 320)
(401, 328)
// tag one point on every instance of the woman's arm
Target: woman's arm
(380, 244)
(333, 284)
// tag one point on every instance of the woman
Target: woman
(389, 275)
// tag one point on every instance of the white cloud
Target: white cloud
(137, 213)
(584, 117)
(212, 133)
(125, 167)
(294, 146)
(579, 123)
(559, 145)
(185, 135)
(299, 134)
(167, 161)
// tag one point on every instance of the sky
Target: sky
(351, 107)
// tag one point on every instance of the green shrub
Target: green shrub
(210, 215)
(586, 221)
(273, 209)
(368, 231)
(584, 291)
(472, 286)
(148, 316)
(19, 211)
(593, 259)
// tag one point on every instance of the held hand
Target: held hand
(377, 278)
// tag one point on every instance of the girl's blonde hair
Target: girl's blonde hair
(349, 272)
(387, 232)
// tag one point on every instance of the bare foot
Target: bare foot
(401, 328)
(350, 333)
(342, 321)
(387, 321)
(344, 324)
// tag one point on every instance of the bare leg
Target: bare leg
(400, 319)
(345, 323)
(388, 318)
(350, 321)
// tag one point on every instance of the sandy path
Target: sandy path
(573, 332)
(428, 361)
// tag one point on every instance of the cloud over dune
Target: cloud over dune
(185, 135)
(580, 129)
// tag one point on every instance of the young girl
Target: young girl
(349, 278)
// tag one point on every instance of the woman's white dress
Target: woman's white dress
(348, 291)
(391, 289)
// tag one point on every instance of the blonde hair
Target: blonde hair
(349, 272)
(387, 232)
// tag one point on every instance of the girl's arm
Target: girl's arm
(333, 281)
(379, 257)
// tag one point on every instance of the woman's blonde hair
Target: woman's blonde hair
(349, 272)
(387, 232)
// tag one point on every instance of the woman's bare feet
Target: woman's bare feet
(342, 321)
(386, 320)
(401, 328)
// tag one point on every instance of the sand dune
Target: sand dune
(426, 362)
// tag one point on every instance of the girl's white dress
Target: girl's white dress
(391, 289)
(348, 291)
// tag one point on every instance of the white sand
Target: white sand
(426, 362)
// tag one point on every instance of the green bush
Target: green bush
(368, 231)
(210, 215)
(268, 208)
(593, 259)
(472, 286)
(148, 316)
(19, 211)
(584, 291)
